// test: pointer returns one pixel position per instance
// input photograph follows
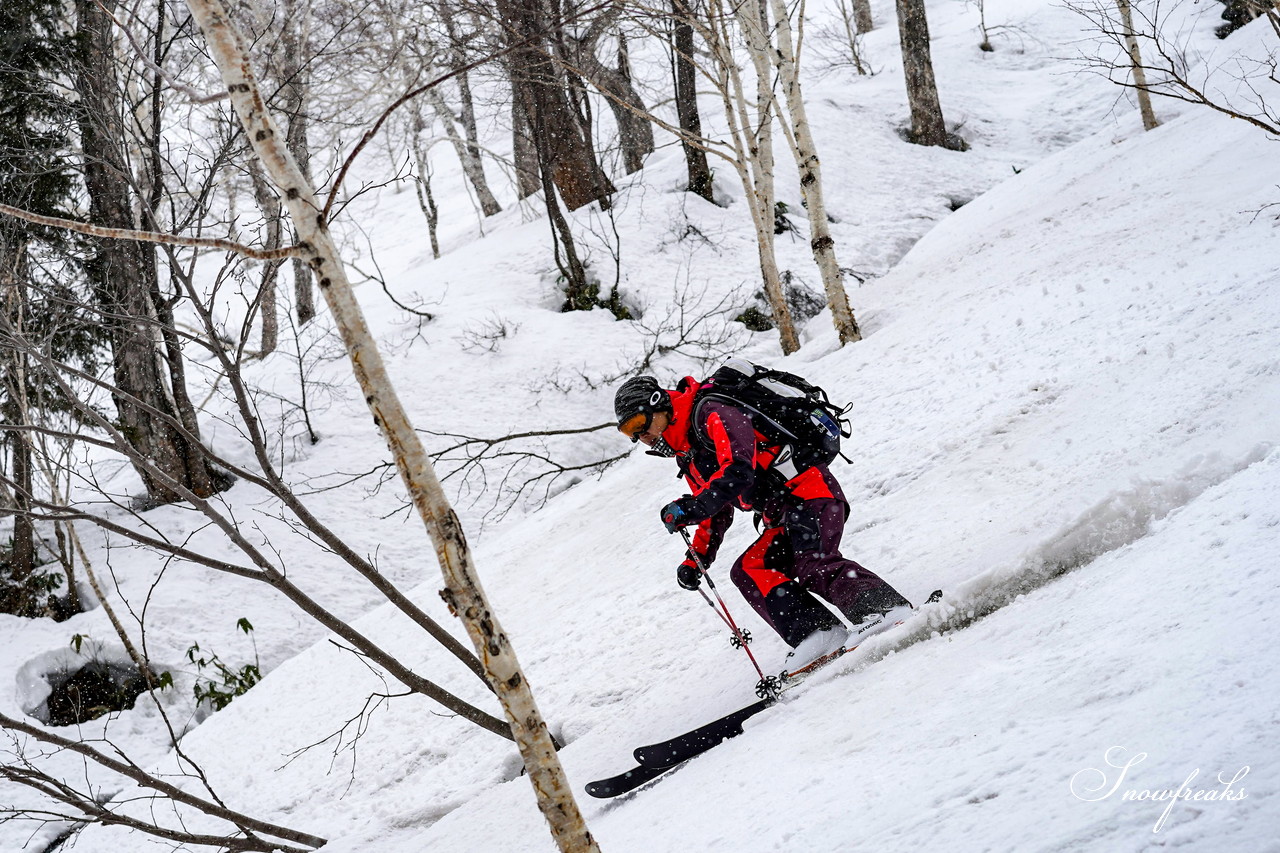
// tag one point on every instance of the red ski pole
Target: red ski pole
(768, 686)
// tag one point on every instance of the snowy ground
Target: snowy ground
(1065, 417)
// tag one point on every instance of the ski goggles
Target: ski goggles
(636, 425)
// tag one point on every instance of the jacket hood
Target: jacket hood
(677, 432)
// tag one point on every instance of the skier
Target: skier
(729, 465)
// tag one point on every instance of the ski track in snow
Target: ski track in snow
(1065, 418)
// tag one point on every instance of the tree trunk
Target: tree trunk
(927, 125)
(546, 104)
(468, 153)
(635, 133)
(462, 591)
(806, 156)
(423, 184)
(862, 16)
(579, 295)
(150, 396)
(528, 179)
(294, 92)
(269, 204)
(1135, 61)
(22, 555)
(695, 158)
(13, 409)
(758, 131)
(22, 559)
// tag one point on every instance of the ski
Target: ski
(681, 748)
(676, 751)
(655, 759)
(622, 783)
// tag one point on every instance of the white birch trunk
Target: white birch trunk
(463, 590)
(752, 135)
(1135, 61)
(806, 156)
(469, 157)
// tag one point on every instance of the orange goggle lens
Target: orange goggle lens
(633, 426)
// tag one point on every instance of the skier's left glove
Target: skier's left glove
(688, 575)
(677, 514)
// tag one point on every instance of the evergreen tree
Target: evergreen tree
(39, 266)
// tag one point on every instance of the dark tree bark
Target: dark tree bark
(635, 133)
(546, 104)
(153, 409)
(927, 125)
(22, 555)
(22, 559)
(528, 176)
(862, 16)
(687, 98)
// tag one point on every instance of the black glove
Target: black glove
(688, 575)
(676, 515)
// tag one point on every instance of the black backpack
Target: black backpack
(784, 408)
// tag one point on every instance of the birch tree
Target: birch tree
(467, 146)
(751, 137)
(1135, 61)
(803, 148)
(463, 590)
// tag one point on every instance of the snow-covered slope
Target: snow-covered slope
(1065, 417)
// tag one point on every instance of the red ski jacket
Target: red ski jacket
(728, 465)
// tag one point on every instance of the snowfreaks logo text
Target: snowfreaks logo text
(1095, 784)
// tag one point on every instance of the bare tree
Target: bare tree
(464, 592)
(927, 125)
(1245, 88)
(749, 146)
(561, 139)
(292, 61)
(686, 95)
(466, 145)
(272, 214)
(152, 374)
(72, 803)
(803, 148)
(752, 136)
(1135, 58)
(635, 133)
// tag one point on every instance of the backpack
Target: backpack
(784, 408)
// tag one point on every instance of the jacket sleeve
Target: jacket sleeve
(708, 536)
(734, 438)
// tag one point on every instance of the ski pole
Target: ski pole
(768, 685)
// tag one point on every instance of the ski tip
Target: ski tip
(614, 786)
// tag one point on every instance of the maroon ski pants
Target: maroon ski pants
(790, 563)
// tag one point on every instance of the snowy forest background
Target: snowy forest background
(312, 316)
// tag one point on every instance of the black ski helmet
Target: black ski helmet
(640, 395)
